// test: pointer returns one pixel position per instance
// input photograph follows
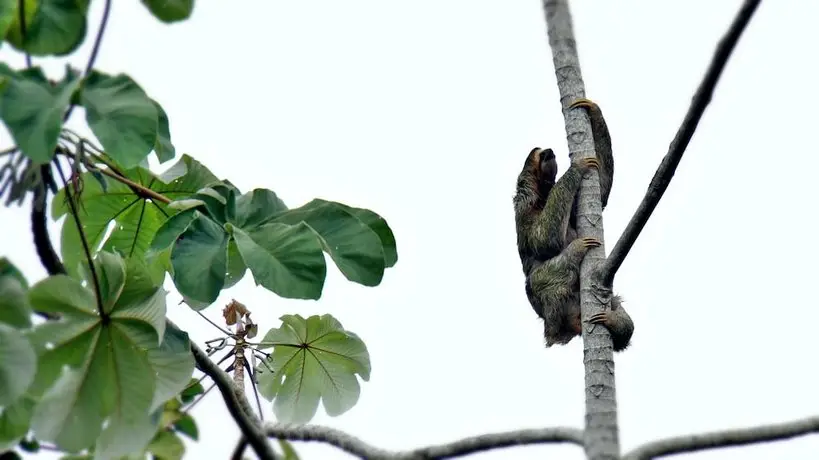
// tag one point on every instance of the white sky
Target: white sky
(424, 111)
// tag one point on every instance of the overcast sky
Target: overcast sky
(424, 112)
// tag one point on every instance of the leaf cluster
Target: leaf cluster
(100, 376)
(106, 376)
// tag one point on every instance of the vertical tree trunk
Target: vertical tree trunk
(601, 433)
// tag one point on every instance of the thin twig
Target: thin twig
(252, 373)
(112, 172)
(726, 438)
(83, 239)
(95, 50)
(661, 179)
(200, 398)
(239, 408)
(227, 333)
(98, 41)
(138, 189)
(481, 443)
(21, 7)
(239, 451)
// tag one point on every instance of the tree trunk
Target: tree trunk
(601, 438)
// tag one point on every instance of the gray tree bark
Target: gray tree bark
(601, 438)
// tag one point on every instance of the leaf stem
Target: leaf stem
(83, 239)
(139, 189)
(227, 333)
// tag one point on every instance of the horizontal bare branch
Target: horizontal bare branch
(668, 166)
(727, 438)
(471, 445)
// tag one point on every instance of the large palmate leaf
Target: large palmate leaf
(32, 109)
(135, 219)
(218, 232)
(312, 359)
(110, 373)
(52, 27)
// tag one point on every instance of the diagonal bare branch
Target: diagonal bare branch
(466, 446)
(727, 438)
(665, 171)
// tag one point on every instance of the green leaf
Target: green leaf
(312, 359)
(18, 364)
(167, 234)
(109, 375)
(61, 294)
(190, 392)
(167, 446)
(173, 364)
(353, 245)
(14, 307)
(381, 228)
(135, 219)
(8, 12)
(121, 115)
(186, 424)
(199, 260)
(32, 110)
(288, 450)
(8, 269)
(55, 27)
(285, 259)
(122, 437)
(256, 207)
(110, 270)
(14, 421)
(236, 267)
(60, 344)
(215, 204)
(116, 379)
(169, 11)
(163, 147)
(142, 300)
(187, 175)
